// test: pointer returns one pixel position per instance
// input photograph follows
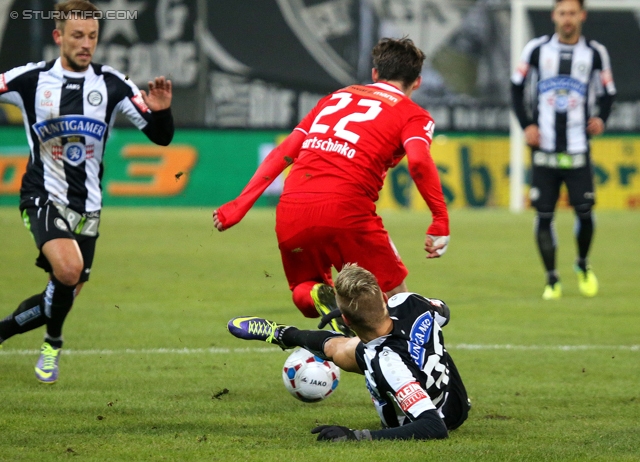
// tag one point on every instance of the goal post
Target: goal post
(520, 35)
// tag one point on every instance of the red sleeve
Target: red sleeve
(273, 165)
(425, 175)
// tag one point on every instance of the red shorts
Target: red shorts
(314, 236)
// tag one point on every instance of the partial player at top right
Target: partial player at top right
(572, 83)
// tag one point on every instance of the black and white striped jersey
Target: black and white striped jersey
(68, 117)
(406, 371)
(567, 81)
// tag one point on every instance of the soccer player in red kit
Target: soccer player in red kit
(341, 152)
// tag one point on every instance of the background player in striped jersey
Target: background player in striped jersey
(341, 152)
(69, 107)
(413, 381)
(568, 73)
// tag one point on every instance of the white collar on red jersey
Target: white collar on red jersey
(387, 87)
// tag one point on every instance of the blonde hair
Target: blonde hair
(360, 298)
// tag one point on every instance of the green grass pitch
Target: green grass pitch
(150, 373)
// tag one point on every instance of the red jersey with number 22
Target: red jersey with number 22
(353, 136)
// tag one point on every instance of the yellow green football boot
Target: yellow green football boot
(324, 299)
(587, 281)
(552, 292)
(47, 367)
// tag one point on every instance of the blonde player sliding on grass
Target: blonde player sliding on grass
(341, 152)
(414, 384)
(567, 72)
(69, 106)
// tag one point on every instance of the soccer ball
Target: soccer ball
(308, 377)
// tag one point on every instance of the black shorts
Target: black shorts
(456, 407)
(546, 182)
(46, 222)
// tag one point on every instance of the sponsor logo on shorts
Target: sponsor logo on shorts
(409, 395)
(534, 194)
(61, 224)
(3, 84)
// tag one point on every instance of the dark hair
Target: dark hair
(581, 2)
(398, 59)
(71, 8)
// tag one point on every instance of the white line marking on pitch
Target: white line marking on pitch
(193, 351)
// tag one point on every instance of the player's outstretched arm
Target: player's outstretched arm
(342, 351)
(160, 128)
(273, 165)
(427, 427)
(425, 175)
(160, 94)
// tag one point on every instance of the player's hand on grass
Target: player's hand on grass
(160, 94)
(435, 246)
(337, 433)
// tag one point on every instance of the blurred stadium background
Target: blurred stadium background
(150, 372)
(245, 72)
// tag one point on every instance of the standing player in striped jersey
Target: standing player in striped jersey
(569, 74)
(69, 107)
(341, 152)
(413, 381)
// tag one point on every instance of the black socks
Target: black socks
(312, 340)
(546, 241)
(50, 307)
(29, 315)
